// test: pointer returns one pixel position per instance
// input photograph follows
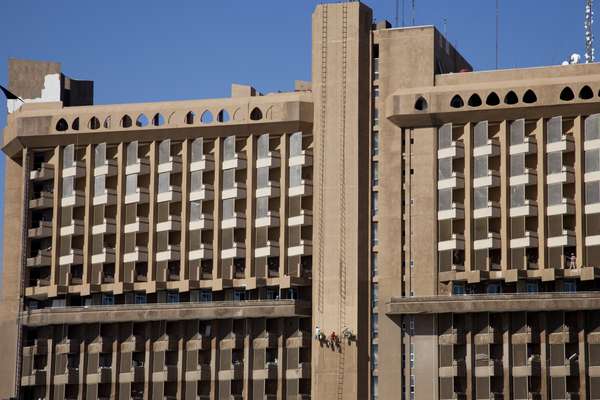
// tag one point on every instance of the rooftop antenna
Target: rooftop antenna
(446, 28)
(497, 29)
(397, 10)
(589, 35)
(413, 12)
(403, 23)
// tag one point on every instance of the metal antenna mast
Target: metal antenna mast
(589, 35)
(413, 12)
(497, 29)
(397, 10)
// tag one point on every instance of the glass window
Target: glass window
(375, 116)
(375, 91)
(195, 210)
(99, 185)
(517, 196)
(376, 68)
(444, 168)
(197, 149)
(131, 184)
(132, 153)
(532, 287)
(374, 202)
(375, 172)
(374, 295)
(517, 164)
(239, 295)
(480, 134)
(555, 195)
(554, 129)
(68, 186)
(140, 298)
(375, 143)
(229, 148)
(262, 145)
(164, 151)
(205, 295)
(374, 263)
(481, 166)
(100, 155)
(592, 127)
(374, 325)
(480, 196)
(173, 297)
(592, 192)
(295, 144)
(570, 286)
(108, 300)
(592, 160)
(68, 156)
(195, 181)
(517, 131)
(228, 179)
(554, 162)
(445, 136)
(228, 207)
(374, 355)
(374, 234)
(295, 175)
(262, 207)
(458, 288)
(444, 199)
(164, 180)
(262, 177)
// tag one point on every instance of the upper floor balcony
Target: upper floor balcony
(271, 160)
(108, 226)
(139, 254)
(204, 221)
(304, 248)
(305, 158)
(303, 189)
(172, 164)
(108, 168)
(75, 256)
(455, 150)
(456, 242)
(203, 192)
(567, 238)
(41, 258)
(271, 249)
(42, 200)
(490, 148)
(566, 206)
(238, 191)
(528, 177)
(172, 223)
(491, 179)
(529, 146)
(456, 181)
(170, 253)
(305, 218)
(237, 220)
(74, 228)
(491, 211)
(75, 199)
(237, 162)
(107, 198)
(529, 240)
(566, 143)
(565, 175)
(140, 167)
(528, 209)
(270, 190)
(238, 250)
(270, 220)
(44, 173)
(205, 163)
(491, 242)
(77, 170)
(173, 193)
(42, 230)
(140, 225)
(204, 252)
(140, 196)
(106, 255)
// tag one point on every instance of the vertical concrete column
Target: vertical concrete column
(217, 270)
(56, 215)
(578, 133)
(468, 141)
(504, 197)
(408, 200)
(250, 205)
(180, 361)
(506, 352)
(153, 193)
(281, 356)
(184, 272)
(582, 356)
(88, 217)
(470, 353)
(544, 360)
(120, 236)
(51, 368)
(540, 136)
(248, 367)
(283, 203)
(214, 348)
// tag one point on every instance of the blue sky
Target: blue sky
(154, 50)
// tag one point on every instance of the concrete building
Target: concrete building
(400, 227)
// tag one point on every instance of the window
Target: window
(374, 264)
(480, 134)
(375, 173)
(196, 181)
(164, 151)
(132, 153)
(374, 356)
(262, 207)
(517, 164)
(555, 196)
(68, 186)
(197, 149)
(555, 162)
(481, 166)
(375, 143)
(592, 127)
(554, 128)
(412, 355)
(445, 136)
(173, 297)
(592, 160)
(494, 288)
(131, 184)
(376, 68)
(140, 298)
(99, 185)
(592, 192)
(375, 325)
(374, 202)
(295, 144)
(517, 131)
(458, 288)
(205, 295)
(374, 234)
(569, 286)
(375, 116)
(228, 208)
(68, 156)
(517, 196)
(164, 182)
(374, 294)
(444, 199)
(375, 91)
(262, 146)
(239, 295)
(444, 168)
(100, 155)
(532, 287)
(108, 299)
(229, 148)
(295, 175)
(480, 196)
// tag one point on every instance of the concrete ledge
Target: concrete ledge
(495, 303)
(168, 312)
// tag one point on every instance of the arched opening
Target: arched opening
(474, 100)
(256, 114)
(62, 125)
(158, 119)
(586, 93)
(511, 98)
(107, 122)
(567, 94)
(421, 104)
(94, 123)
(492, 99)
(126, 121)
(529, 97)
(190, 117)
(223, 116)
(206, 117)
(75, 124)
(457, 102)
(141, 120)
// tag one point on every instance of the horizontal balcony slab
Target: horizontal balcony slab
(457, 181)
(456, 212)
(140, 197)
(205, 192)
(567, 143)
(490, 148)
(139, 226)
(109, 168)
(44, 173)
(529, 209)
(271, 160)
(592, 176)
(206, 163)
(271, 220)
(529, 146)
(457, 242)
(305, 158)
(455, 150)
(141, 167)
(528, 178)
(490, 180)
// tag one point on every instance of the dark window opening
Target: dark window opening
(126, 121)
(492, 99)
(256, 114)
(586, 93)
(457, 102)
(474, 100)
(567, 94)
(62, 125)
(421, 104)
(511, 98)
(529, 97)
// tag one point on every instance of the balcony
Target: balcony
(528, 209)
(76, 199)
(238, 191)
(491, 211)
(172, 165)
(75, 257)
(204, 221)
(109, 168)
(592, 176)
(566, 143)
(201, 373)
(135, 374)
(569, 368)
(43, 230)
(77, 170)
(205, 163)
(107, 256)
(529, 146)
(457, 211)
(305, 218)
(198, 342)
(592, 240)
(236, 372)
(44, 173)
(237, 251)
(566, 175)
(456, 242)
(171, 253)
(204, 192)
(529, 240)
(529, 177)
(37, 378)
(567, 206)
(238, 220)
(452, 337)
(139, 226)
(43, 258)
(270, 250)
(139, 254)
(302, 372)
(69, 377)
(133, 343)
(455, 150)
(489, 336)
(457, 369)
(140, 196)
(205, 252)
(268, 372)
(237, 162)
(488, 368)
(104, 375)
(75, 228)
(563, 335)
(455, 396)
(566, 239)
(168, 374)
(302, 249)
(533, 367)
(173, 223)
(43, 200)
(303, 189)
(491, 242)
(490, 148)
(492, 179)
(271, 160)
(173, 193)
(305, 158)
(108, 198)
(141, 167)
(270, 220)
(456, 181)
(271, 190)
(298, 339)
(108, 226)
(526, 335)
